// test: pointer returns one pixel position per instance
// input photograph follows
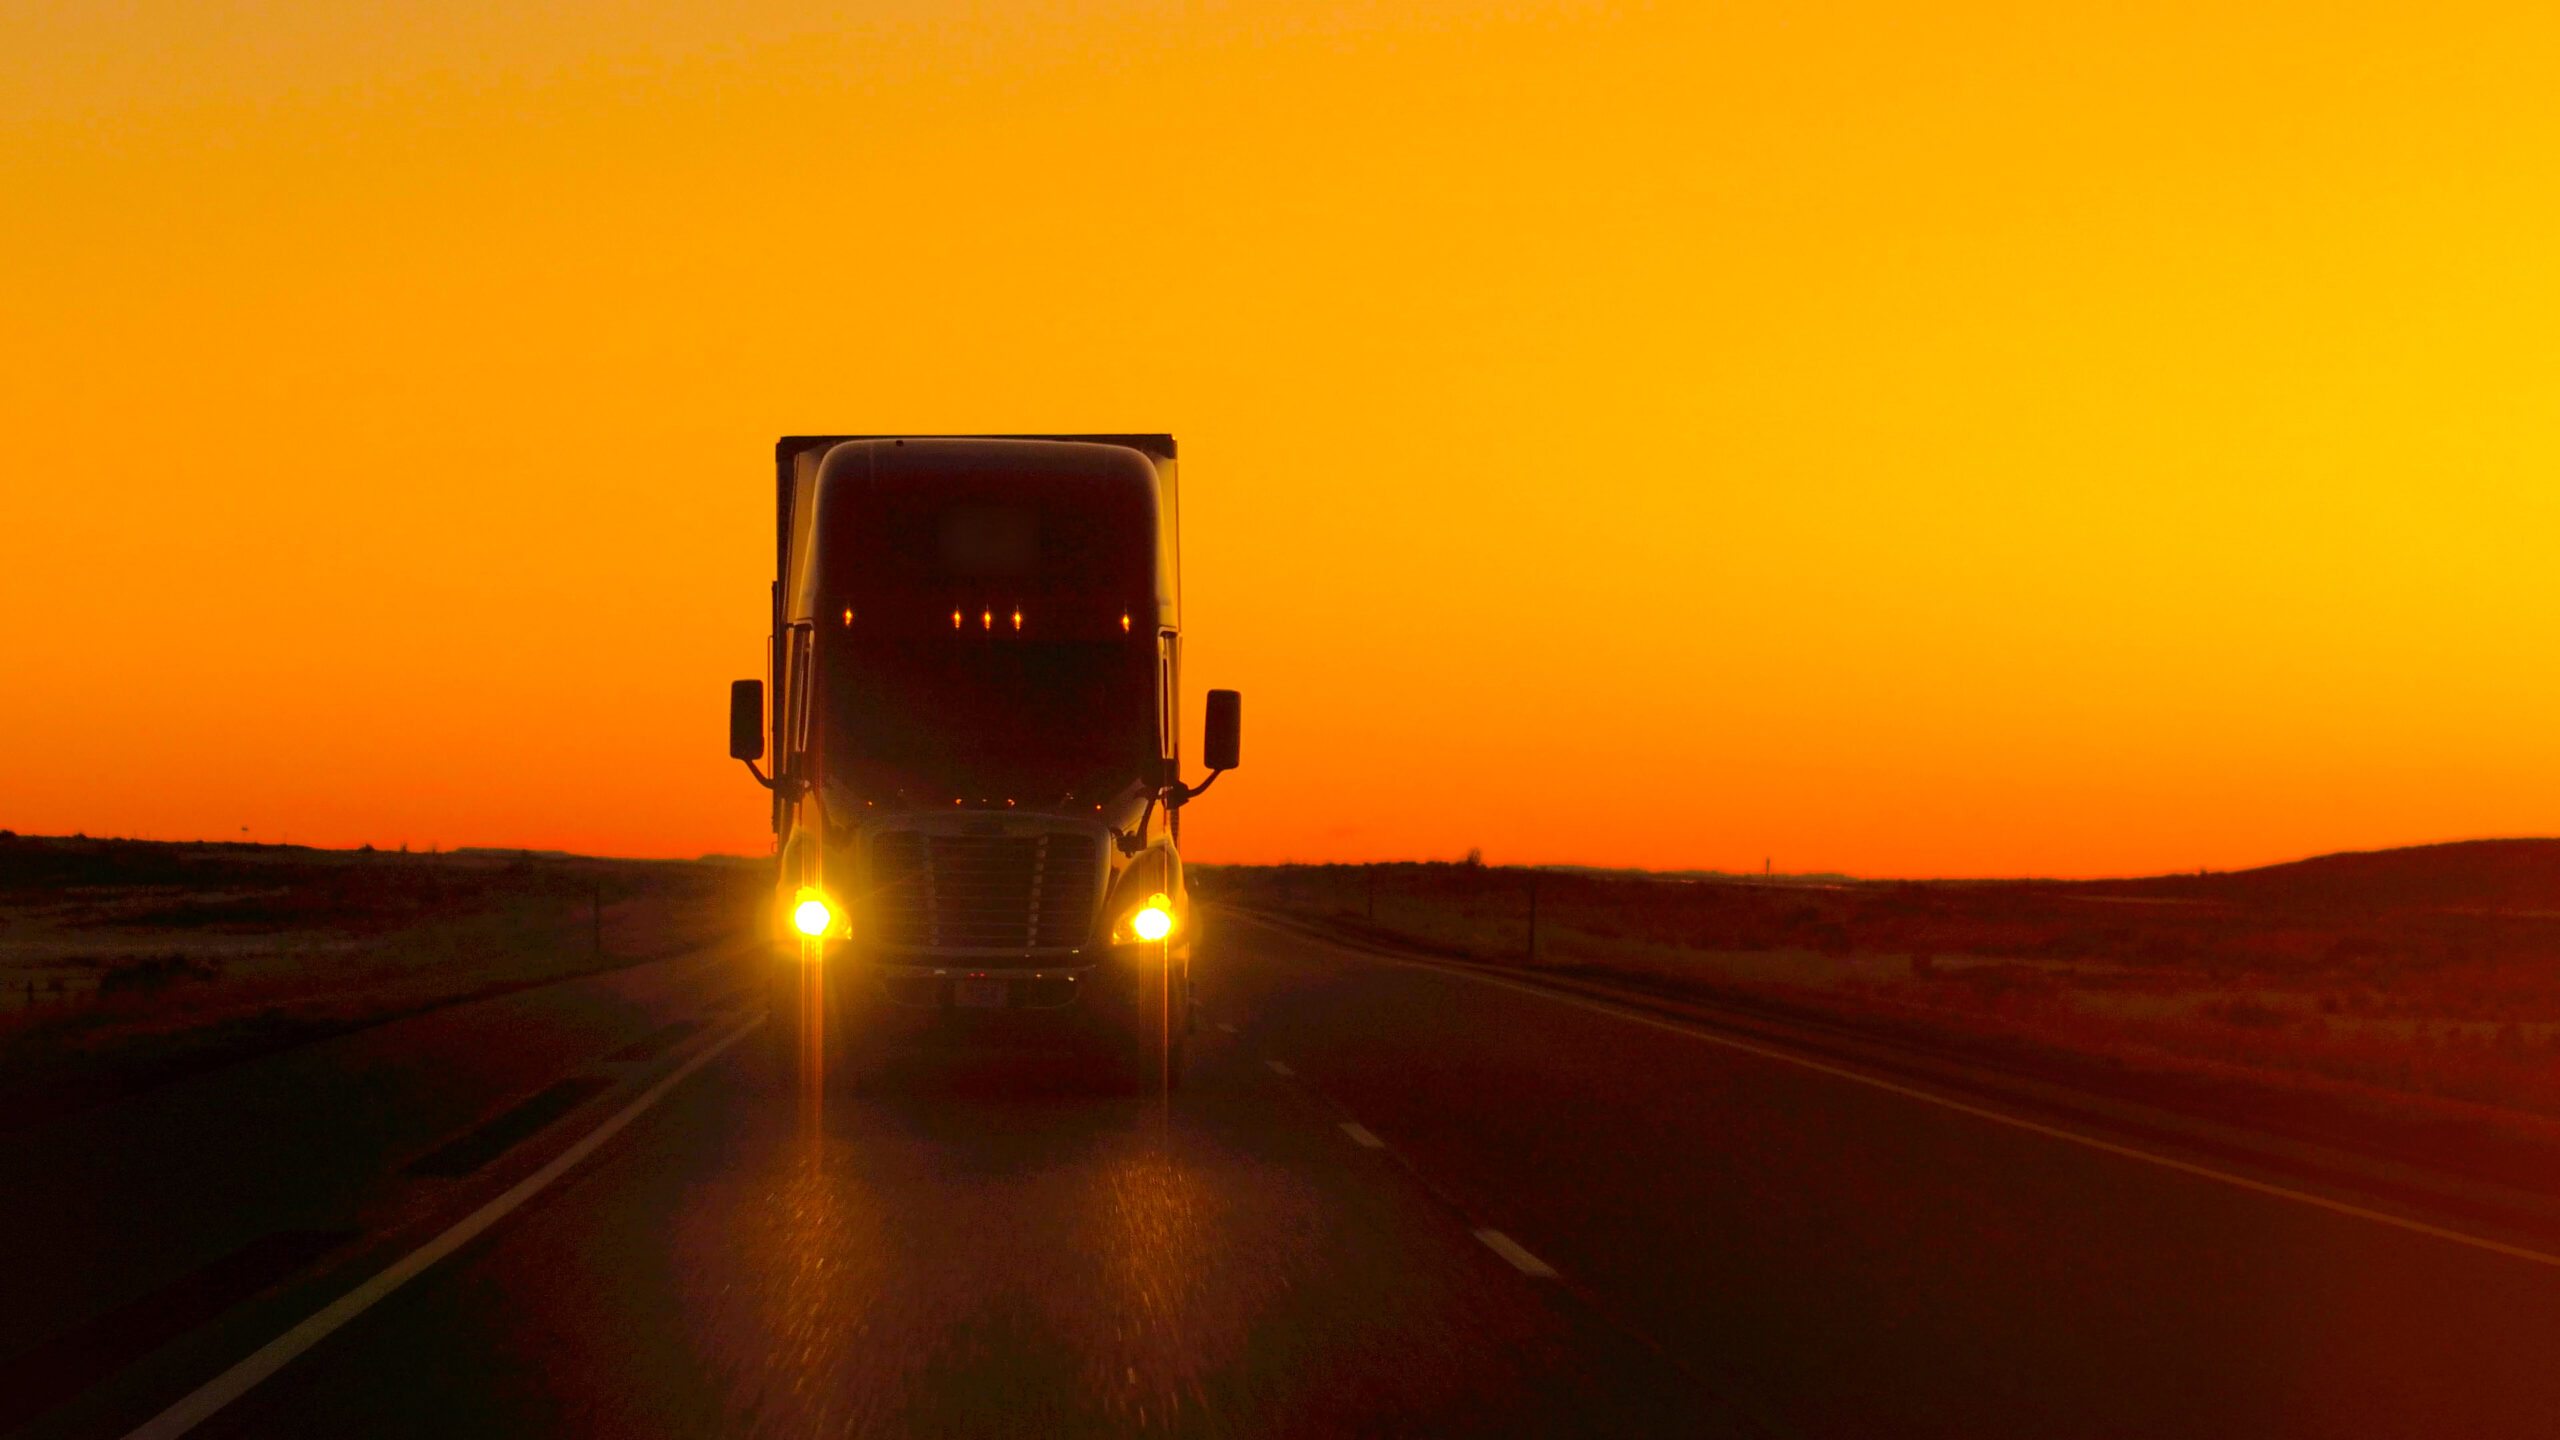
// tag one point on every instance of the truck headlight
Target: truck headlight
(1153, 920)
(811, 915)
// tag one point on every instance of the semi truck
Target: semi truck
(975, 766)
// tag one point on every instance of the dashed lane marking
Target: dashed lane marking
(2054, 1132)
(273, 1356)
(1361, 1137)
(1223, 1025)
(1521, 1260)
(1279, 1067)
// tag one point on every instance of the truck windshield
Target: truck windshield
(935, 719)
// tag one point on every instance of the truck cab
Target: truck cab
(976, 774)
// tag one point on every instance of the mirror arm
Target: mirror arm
(1133, 839)
(1178, 793)
(761, 778)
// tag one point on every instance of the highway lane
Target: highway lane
(1855, 1261)
(981, 1243)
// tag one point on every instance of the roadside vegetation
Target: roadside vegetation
(2413, 988)
(124, 963)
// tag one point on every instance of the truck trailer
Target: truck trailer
(976, 775)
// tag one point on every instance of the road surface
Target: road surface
(1397, 1199)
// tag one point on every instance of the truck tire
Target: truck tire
(1147, 1065)
(848, 1034)
(1151, 1054)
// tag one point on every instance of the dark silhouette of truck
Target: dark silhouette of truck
(976, 776)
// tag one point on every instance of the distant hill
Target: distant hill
(2464, 874)
(1712, 877)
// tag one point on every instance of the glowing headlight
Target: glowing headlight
(1154, 920)
(812, 917)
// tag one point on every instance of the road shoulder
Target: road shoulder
(358, 1149)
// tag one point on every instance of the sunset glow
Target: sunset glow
(1896, 439)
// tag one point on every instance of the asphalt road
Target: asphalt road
(1397, 1200)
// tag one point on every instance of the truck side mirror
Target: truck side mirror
(1219, 729)
(746, 720)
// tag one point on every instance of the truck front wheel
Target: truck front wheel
(816, 1022)
(1152, 1051)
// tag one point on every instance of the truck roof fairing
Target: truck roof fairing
(822, 475)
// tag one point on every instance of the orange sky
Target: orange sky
(1920, 439)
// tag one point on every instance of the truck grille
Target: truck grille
(985, 892)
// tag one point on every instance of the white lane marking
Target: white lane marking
(1223, 1025)
(1361, 1137)
(1521, 1260)
(2110, 1147)
(273, 1356)
(1279, 1068)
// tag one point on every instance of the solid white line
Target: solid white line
(1521, 1260)
(1361, 1137)
(273, 1356)
(1279, 1068)
(2110, 1147)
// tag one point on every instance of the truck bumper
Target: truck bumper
(1105, 992)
